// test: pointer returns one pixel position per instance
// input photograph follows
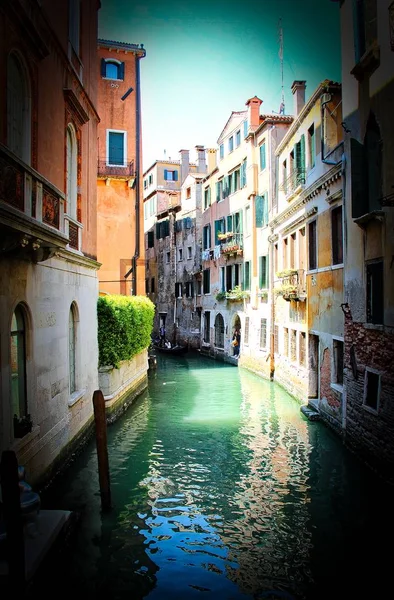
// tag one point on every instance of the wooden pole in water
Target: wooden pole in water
(102, 449)
(13, 521)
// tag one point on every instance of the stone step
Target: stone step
(310, 413)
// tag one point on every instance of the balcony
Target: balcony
(31, 211)
(295, 180)
(125, 171)
(232, 244)
(292, 285)
(168, 202)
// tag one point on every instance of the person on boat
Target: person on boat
(236, 342)
(162, 332)
(167, 344)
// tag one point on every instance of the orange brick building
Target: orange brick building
(119, 192)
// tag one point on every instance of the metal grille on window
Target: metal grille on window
(263, 333)
(73, 235)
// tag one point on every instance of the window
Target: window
(312, 245)
(150, 239)
(262, 157)
(18, 364)
(18, 110)
(152, 285)
(261, 210)
(116, 148)
(150, 179)
(189, 252)
(263, 272)
(74, 24)
(206, 237)
(71, 172)
(221, 151)
(359, 29)
(248, 220)
(180, 254)
(219, 190)
(207, 198)
(293, 238)
(71, 348)
(237, 138)
(293, 345)
(284, 176)
(285, 252)
(146, 286)
(231, 144)
(207, 326)
(222, 275)
(372, 385)
(302, 345)
(189, 289)
(199, 287)
(338, 361)
(219, 331)
(170, 175)
(188, 193)
(263, 334)
(178, 290)
(145, 184)
(375, 302)
(276, 339)
(207, 281)
(300, 161)
(246, 127)
(220, 227)
(246, 336)
(285, 341)
(247, 275)
(112, 69)
(168, 256)
(276, 254)
(243, 173)
(337, 238)
(311, 146)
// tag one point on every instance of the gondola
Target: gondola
(176, 350)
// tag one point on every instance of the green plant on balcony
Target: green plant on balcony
(263, 293)
(220, 296)
(224, 236)
(237, 294)
(286, 273)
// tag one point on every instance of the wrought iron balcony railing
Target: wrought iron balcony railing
(293, 284)
(233, 244)
(293, 181)
(124, 170)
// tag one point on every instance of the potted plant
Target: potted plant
(237, 294)
(220, 296)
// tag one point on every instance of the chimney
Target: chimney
(298, 91)
(185, 169)
(201, 160)
(253, 105)
(211, 154)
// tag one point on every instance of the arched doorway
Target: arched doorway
(219, 331)
(235, 325)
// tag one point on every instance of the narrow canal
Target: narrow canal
(222, 489)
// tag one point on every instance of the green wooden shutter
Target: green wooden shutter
(265, 209)
(209, 196)
(262, 157)
(230, 223)
(165, 174)
(258, 201)
(217, 192)
(302, 156)
(121, 70)
(175, 175)
(217, 229)
(103, 67)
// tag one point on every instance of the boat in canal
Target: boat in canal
(176, 349)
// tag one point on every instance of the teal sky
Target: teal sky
(204, 59)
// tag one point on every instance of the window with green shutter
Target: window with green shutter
(262, 157)
(246, 283)
(265, 210)
(258, 203)
(263, 272)
(246, 126)
(221, 151)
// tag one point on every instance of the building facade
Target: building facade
(307, 252)
(48, 266)
(368, 86)
(119, 184)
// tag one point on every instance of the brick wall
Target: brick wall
(371, 434)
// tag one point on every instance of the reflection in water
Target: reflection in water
(220, 488)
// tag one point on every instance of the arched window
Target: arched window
(71, 170)
(373, 149)
(18, 109)
(72, 348)
(112, 69)
(219, 331)
(18, 364)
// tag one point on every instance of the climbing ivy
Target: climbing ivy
(124, 327)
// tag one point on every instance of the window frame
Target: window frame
(109, 164)
(365, 391)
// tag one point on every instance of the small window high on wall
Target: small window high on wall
(18, 366)
(18, 109)
(112, 69)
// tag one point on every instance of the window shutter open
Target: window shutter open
(103, 68)
(302, 153)
(175, 175)
(265, 209)
(259, 211)
(165, 174)
(121, 70)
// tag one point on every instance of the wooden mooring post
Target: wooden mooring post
(102, 449)
(15, 543)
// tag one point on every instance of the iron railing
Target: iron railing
(293, 181)
(126, 169)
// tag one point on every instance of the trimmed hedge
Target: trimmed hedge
(125, 326)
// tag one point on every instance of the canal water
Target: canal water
(222, 489)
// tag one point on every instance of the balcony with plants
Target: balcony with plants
(293, 182)
(231, 243)
(292, 285)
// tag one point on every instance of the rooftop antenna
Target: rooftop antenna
(164, 154)
(282, 104)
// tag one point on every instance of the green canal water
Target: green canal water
(222, 489)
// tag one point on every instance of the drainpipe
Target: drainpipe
(137, 172)
(272, 320)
